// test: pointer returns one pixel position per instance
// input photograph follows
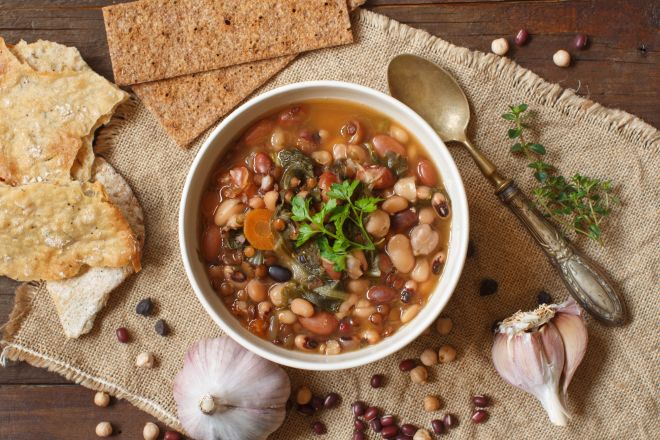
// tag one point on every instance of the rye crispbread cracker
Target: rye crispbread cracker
(49, 115)
(158, 39)
(187, 105)
(78, 299)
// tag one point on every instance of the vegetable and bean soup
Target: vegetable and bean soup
(325, 228)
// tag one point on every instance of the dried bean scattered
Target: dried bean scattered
(431, 403)
(122, 335)
(450, 421)
(359, 425)
(387, 420)
(371, 413)
(408, 429)
(162, 328)
(101, 399)
(480, 401)
(443, 326)
(438, 426)
(446, 354)
(487, 287)
(145, 307)
(562, 58)
(422, 434)
(389, 432)
(151, 431)
(499, 46)
(358, 408)
(407, 364)
(377, 380)
(331, 400)
(581, 41)
(317, 403)
(521, 37)
(419, 374)
(305, 409)
(376, 425)
(103, 429)
(357, 435)
(429, 357)
(172, 435)
(480, 416)
(319, 428)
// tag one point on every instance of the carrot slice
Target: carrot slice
(257, 229)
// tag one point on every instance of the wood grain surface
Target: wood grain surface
(618, 69)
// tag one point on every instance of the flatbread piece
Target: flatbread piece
(159, 39)
(78, 299)
(50, 231)
(48, 118)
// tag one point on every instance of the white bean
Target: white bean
(286, 316)
(302, 307)
(363, 309)
(422, 270)
(400, 252)
(276, 294)
(423, 239)
(409, 313)
(399, 134)
(426, 215)
(394, 204)
(406, 188)
(227, 209)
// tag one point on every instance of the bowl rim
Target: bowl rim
(313, 361)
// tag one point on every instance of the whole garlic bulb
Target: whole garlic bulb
(539, 351)
(226, 392)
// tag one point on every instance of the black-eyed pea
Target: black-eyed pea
(302, 307)
(410, 312)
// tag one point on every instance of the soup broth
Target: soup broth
(325, 227)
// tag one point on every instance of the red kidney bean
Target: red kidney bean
(403, 437)
(480, 401)
(521, 37)
(345, 326)
(390, 431)
(331, 400)
(292, 116)
(377, 381)
(384, 143)
(580, 41)
(358, 408)
(408, 429)
(384, 263)
(438, 426)
(450, 421)
(480, 416)
(381, 294)
(387, 420)
(259, 133)
(426, 173)
(371, 413)
(305, 409)
(379, 177)
(211, 243)
(319, 428)
(322, 323)
(402, 221)
(359, 425)
(262, 163)
(123, 335)
(172, 435)
(358, 435)
(375, 424)
(317, 402)
(407, 364)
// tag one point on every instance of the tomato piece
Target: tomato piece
(330, 269)
(257, 229)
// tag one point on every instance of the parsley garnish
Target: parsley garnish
(580, 203)
(331, 234)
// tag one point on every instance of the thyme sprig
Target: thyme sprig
(579, 204)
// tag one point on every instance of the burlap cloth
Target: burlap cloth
(614, 393)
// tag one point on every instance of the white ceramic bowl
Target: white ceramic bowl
(221, 139)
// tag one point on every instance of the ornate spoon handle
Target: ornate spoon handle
(586, 282)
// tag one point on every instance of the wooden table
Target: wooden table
(619, 69)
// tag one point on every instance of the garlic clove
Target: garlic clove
(573, 330)
(224, 391)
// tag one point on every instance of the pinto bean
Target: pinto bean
(402, 221)
(394, 204)
(339, 152)
(262, 163)
(423, 239)
(426, 173)
(380, 294)
(400, 252)
(211, 242)
(292, 116)
(378, 177)
(302, 307)
(378, 223)
(384, 144)
(322, 323)
(406, 188)
(357, 153)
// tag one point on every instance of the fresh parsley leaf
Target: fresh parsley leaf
(368, 204)
(300, 209)
(305, 232)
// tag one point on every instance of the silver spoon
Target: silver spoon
(436, 96)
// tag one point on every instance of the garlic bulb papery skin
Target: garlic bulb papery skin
(539, 351)
(225, 392)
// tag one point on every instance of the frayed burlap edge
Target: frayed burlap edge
(539, 91)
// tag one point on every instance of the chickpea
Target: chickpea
(419, 374)
(256, 290)
(394, 204)
(150, 431)
(270, 200)
(562, 58)
(426, 215)
(103, 429)
(410, 312)
(423, 239)
(422, 270)
(378, 223)
(302, 307)
(431, 403)
(446, 354)
(422, 434)
(276, 294)
(401, 253)
(144, 360)
(286, 316)
(429, 357)
(101, 399)
(443, 326)
(499, 46)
